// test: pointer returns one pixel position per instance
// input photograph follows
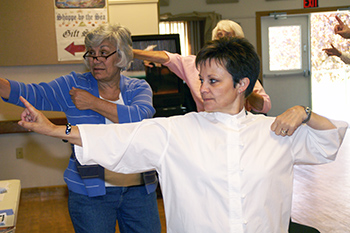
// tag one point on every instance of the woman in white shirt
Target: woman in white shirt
(222, 170)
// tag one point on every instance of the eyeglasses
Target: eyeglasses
(102, 58)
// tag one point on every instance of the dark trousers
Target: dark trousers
(298, 228)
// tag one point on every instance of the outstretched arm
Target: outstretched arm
(152, 56)
(36, 121)
(286, 123)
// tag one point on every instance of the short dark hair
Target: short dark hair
(237, 55)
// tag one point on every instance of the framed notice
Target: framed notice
(73, 20)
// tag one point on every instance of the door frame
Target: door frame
(301, 20)
(260, 14)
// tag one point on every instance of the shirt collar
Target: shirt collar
(240, 118)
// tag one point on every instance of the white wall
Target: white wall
(129, 13)
(45, 158)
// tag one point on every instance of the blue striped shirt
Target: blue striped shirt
(54, 96)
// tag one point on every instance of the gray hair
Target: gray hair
(118, 35)
(228, 26)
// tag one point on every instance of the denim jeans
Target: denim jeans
(135, 210)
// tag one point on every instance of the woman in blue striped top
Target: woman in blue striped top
(98, 197)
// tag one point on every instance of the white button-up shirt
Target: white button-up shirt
(218, 172)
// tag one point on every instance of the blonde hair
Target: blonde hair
(228, 26)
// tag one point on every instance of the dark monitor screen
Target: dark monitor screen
(169, 42)
(167, 87)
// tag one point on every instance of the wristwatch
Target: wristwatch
(308, 113)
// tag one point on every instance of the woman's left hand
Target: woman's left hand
(286, 123)
(82, 99)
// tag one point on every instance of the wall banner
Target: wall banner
(74, 18)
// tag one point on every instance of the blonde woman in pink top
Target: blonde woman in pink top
(184, 67)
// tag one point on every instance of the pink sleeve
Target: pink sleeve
(185, 68)
(182, 66)
(267, 102)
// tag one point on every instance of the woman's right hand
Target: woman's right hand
(333, 51)
(34, 120)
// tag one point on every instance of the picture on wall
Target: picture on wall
(80, 3)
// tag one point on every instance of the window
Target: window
(287, 38)
(284, 45)
(177, 27)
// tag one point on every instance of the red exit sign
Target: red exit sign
(310, 3)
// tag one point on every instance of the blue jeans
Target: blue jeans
(135, 210)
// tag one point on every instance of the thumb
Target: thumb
(273, 126)
(71, 92)
(26, 125)
(32, 126)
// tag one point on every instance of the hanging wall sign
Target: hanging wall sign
(74, 18)
(310, 3)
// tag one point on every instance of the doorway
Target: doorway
(285, 56)
(326, 83)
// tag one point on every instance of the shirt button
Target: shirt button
(243, 196)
